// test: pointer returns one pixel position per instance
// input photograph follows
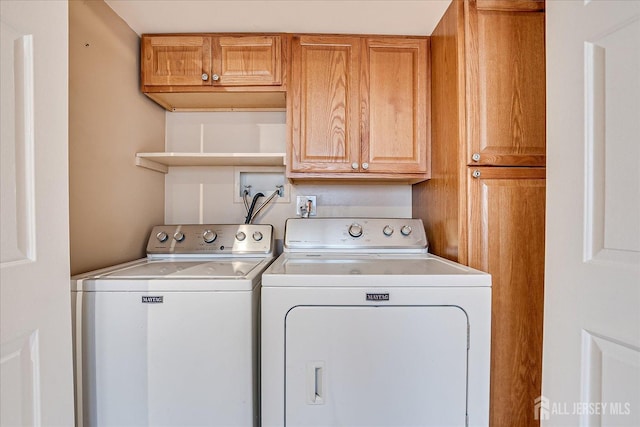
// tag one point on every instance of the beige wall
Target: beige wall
(113, 203)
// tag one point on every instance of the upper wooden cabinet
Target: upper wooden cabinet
(505, 62)
(211, 60)
(242, 70)
(247, 61)
(324, 104)
(175, 60)
(358, 108)
(395, 106)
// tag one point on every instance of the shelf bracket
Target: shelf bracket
(150, 164)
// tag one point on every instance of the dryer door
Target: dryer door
(376, 366)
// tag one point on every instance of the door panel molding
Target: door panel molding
(18, 199)
(612, 160)
(20, 367)
(606, 362)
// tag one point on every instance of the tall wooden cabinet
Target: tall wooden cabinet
(485, 203)
(358, 108)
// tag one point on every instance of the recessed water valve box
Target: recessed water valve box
(262, 180)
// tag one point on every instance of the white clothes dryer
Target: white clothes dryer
(172, 339)
(362, 327)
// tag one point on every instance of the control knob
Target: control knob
(355, 230)
(240, 236)
(162, 236)
(179, 236)
(209, 236)
(257, 236)
(406, 230)
(387, 230)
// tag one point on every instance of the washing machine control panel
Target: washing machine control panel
(355, 234)
(211, 239)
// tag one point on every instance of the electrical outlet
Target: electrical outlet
(302, 203)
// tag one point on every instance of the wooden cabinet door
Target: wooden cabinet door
(176, 60)
(506, 239)
(247, 60)
(505, 54)
(323, 103)
(395, 94)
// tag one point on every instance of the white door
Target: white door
(36, 365)
(591, 362)
(376, 366)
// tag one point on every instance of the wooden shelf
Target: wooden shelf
(160, 162)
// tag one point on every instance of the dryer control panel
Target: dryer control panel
(211, 239)
(364, 234)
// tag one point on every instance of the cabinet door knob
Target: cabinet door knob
(215, 77)
(365, 166)
(205, 77)
(476, 157)
(476, 173)
(354, 165)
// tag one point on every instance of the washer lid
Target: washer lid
(230, 274)
(355, 270)
(188, 269)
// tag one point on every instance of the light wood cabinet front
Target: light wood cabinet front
(324, 104)
(506, 71)
(359, 108)
(209, 60)
(215, 72)
(506, 239)
(247, 60)
(175, 60)
(394, 126)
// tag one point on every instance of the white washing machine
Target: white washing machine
(362, 327)
(172, 339)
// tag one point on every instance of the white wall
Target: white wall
(209, 195)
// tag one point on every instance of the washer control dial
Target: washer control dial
(355, 230)
(406, 230)
(257, 236)
(162, 236)
(209, 236)
(178, 236)
(240, 235)
(387, 230)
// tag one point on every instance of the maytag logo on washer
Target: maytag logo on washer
(378, 297)
(152, 299)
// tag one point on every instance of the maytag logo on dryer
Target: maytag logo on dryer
(152, 299)
(378, 297)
